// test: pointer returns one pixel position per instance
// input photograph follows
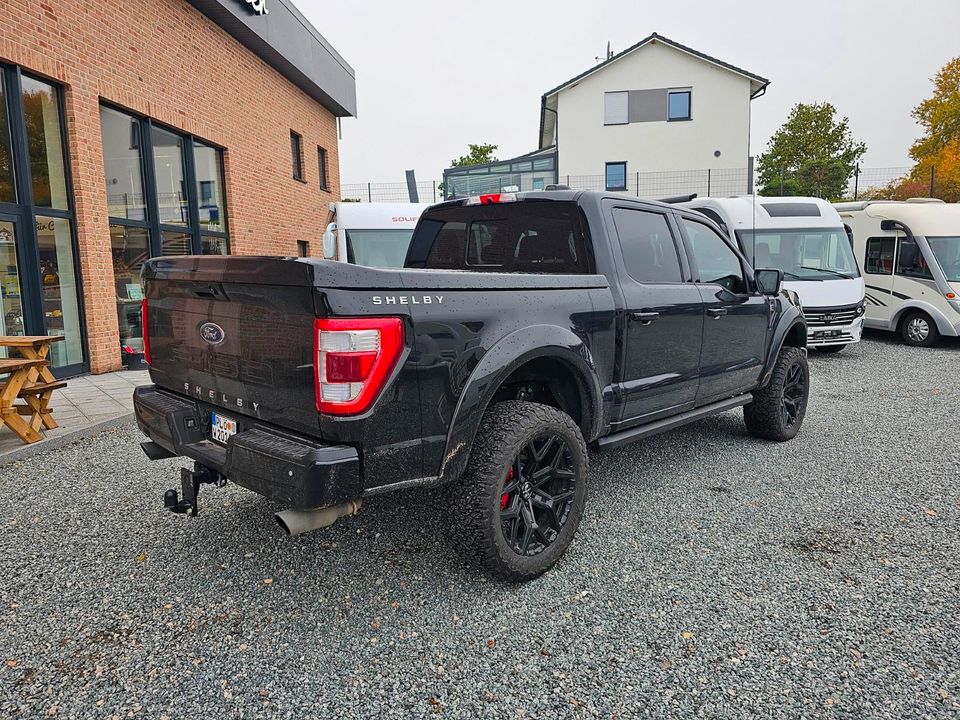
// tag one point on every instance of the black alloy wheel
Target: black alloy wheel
(537, 495)
(518, 505)
(794, 394)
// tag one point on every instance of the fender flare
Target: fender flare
(497, 364)
(943, 322)
(788, 321)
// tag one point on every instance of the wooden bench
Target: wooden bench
(36, 397)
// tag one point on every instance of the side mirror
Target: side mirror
(330, 242)
(769, 281)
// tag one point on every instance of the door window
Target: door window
(61, 297)
(716, 261)
(879, 257)
(649, 251)
(910, 261)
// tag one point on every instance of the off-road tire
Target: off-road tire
(765, 416)
(475, 501)
(910, 338)
(831, 349)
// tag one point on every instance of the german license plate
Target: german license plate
(821, 334)
(222, 428)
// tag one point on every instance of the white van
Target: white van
(909, 252)
(374, 234)
(803, 237)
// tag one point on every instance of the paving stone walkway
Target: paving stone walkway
(88, 402)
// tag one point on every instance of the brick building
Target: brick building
(146, 127)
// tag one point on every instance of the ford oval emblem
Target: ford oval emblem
(211, 333)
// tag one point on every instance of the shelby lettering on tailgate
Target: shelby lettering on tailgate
(407, 299)
(223, 399)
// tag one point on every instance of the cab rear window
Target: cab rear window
(525, 236)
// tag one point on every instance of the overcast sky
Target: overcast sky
(434, 76)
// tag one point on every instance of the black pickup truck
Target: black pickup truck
(524, 329)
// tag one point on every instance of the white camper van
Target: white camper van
(804, 238)
(374, 234)
(910, 255)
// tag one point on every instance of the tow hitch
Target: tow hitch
(190, 480)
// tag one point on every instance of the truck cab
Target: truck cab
(805, 238)
(371, 234)
(910, 256)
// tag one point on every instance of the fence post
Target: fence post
(638, 184)
(434, 190)
(856, 181)
(568, 181)
(933, 176)
(369, 193)
(750, 175)
(708, 182)
(781, 182)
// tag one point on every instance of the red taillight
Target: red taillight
(353, 357)
(146, 333)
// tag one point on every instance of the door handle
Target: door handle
(644, 318)
(716, 313)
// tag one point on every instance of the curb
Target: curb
(66, 438)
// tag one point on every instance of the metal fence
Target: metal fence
(863, 184)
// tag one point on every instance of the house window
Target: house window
(616, 176)
(324, 175)
(303, 248)
(678, 105)
(165, 196)
(615, 108)
(296, 152)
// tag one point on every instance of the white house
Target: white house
(658, 106)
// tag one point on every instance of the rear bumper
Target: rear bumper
(297, 471)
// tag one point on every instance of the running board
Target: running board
(655, 428)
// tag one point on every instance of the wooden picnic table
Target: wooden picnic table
(30, 380)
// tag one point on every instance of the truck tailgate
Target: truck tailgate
(235, 333)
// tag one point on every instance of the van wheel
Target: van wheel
(777, 410)
(918, 329)
(519, 503)
(831, 348)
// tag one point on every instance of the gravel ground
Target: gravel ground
(714, 576)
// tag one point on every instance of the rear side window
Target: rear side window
(524, 236)
(879, 257)
(649, 251)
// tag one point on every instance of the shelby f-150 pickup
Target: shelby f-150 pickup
(524, 329)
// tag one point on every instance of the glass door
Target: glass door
(11, 301)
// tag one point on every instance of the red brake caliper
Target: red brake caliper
(505, 498)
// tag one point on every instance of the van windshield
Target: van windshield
(947, 250)
(815, 254)
(378, 248)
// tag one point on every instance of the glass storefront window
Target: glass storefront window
(11, 308)
(175, 243)
(210, 245)
(61, 299)
(122, 164)
(172, 202)
(130, 247)
(8, 192)
(41, 107)
(209, 173)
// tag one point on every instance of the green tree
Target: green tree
(478, 155)
(813, 153)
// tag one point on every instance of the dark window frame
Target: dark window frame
(322, 157)
(151, 212)
(866, 254)
(303, 248)
(606, 170)
(25, 212)
(296, 156)
(689, 93)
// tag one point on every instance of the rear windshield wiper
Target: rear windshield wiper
(827, 270)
